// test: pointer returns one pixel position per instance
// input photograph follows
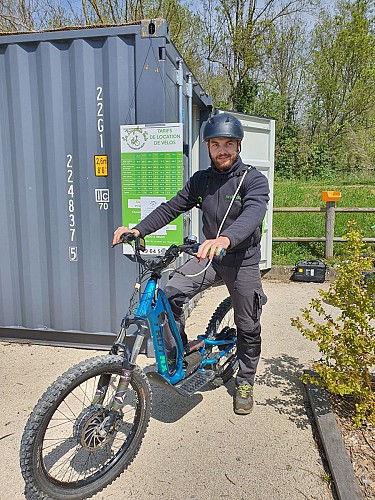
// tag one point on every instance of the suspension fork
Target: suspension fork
(127, 366)
(118, 400)
(127, 369)
(105, 378)
(101, 389)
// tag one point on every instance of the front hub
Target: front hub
(90, 429)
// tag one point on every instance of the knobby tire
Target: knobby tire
(54, 462)
(223, 317)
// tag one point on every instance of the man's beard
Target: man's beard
(224, 165)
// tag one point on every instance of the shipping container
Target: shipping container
(63, 97)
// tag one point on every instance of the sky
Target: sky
(193, 4)
(197, 5)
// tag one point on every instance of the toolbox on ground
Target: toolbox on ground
(309, 270)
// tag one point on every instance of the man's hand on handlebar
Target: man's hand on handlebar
(120, 231)
(210, 248)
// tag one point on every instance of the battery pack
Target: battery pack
(310, 271)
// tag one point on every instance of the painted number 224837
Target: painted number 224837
(73, 254)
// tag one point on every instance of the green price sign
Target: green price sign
(151, 173)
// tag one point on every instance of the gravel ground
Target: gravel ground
(196, 448)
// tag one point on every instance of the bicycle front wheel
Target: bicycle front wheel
(220, 327)
(66, 451)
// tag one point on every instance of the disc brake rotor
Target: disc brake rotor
(89, 428)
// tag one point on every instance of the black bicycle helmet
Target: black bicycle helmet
(223, 125)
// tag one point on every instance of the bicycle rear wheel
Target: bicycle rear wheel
(222, 326)
(65, 451)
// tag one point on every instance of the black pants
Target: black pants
(245, 288)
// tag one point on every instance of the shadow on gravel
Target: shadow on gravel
(168, 406)
(283, 373)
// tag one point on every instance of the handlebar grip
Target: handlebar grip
(222, 253)
(128, 237)
(190, 248)
(125, 238)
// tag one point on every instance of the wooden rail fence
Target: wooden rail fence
(330, 209)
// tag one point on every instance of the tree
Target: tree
(278, 92)
(35, 15)
(342, 74)
(184, 24)
(19, 15)
(237, 35)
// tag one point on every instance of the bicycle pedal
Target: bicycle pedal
(193, 383)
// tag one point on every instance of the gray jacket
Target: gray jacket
(212, 190)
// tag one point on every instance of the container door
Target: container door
(258, 149)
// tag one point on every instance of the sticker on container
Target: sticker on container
(102, 198)
(101, 165)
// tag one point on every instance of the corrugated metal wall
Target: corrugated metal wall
(63, 97)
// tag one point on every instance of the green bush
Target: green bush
(347, 342)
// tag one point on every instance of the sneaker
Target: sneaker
(243, 401)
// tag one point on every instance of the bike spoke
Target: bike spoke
(65, 459)
(58, 466)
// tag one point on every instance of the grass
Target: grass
(355, 192)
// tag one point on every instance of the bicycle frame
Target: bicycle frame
(153, 312)
(152, 305)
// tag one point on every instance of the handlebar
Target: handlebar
(157, 264)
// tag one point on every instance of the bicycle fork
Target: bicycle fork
(128, 366)
(118, 400)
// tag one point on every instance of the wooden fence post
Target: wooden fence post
(330, 228)
(330, 197)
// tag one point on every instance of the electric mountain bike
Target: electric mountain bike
(89, 424)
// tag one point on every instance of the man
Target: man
(233, 198)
